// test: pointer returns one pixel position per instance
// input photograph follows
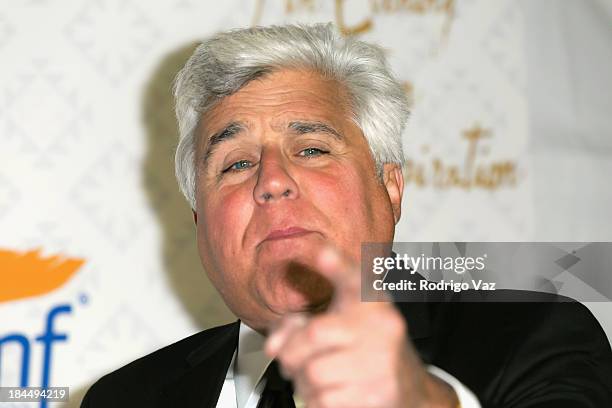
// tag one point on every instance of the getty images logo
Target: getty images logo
(28, 274)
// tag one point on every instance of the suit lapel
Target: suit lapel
(206, 367)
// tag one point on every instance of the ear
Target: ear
(195, 217)
(393, 180)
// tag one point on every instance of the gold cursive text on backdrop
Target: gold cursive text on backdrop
(377, 7)
(472, 174)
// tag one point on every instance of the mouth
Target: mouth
(286, 233)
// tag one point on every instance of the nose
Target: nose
(274, 183)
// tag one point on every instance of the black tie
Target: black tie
(278, 392)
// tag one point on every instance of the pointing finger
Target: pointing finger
(344, 275)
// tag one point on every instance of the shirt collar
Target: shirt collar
(248, 365)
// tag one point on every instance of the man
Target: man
(290, 155)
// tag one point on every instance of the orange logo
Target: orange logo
(26, 274)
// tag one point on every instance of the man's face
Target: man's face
(282, 171)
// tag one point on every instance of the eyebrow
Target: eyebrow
(303, 127)
(227, 133)
(234, 128)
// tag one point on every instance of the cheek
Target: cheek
(355, 206)
(344, 194)
(229, 214)
(342, 197)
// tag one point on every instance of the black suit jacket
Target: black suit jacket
(512, 355)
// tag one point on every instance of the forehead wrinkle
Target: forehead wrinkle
(300, 119)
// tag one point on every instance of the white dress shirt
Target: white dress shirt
(243, 386)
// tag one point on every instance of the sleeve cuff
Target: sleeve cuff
(467, 399)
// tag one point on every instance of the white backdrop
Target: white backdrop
(509, 140)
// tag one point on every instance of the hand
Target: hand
(355, 354)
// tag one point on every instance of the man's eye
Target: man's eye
(312, 151)
(238, 166)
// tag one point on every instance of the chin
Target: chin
(293, 286)
(309, 299)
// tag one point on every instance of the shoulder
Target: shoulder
(519, 347)
(142, 379)
(513, 321)
(530, 314)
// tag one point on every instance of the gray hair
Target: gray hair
(226, 62)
